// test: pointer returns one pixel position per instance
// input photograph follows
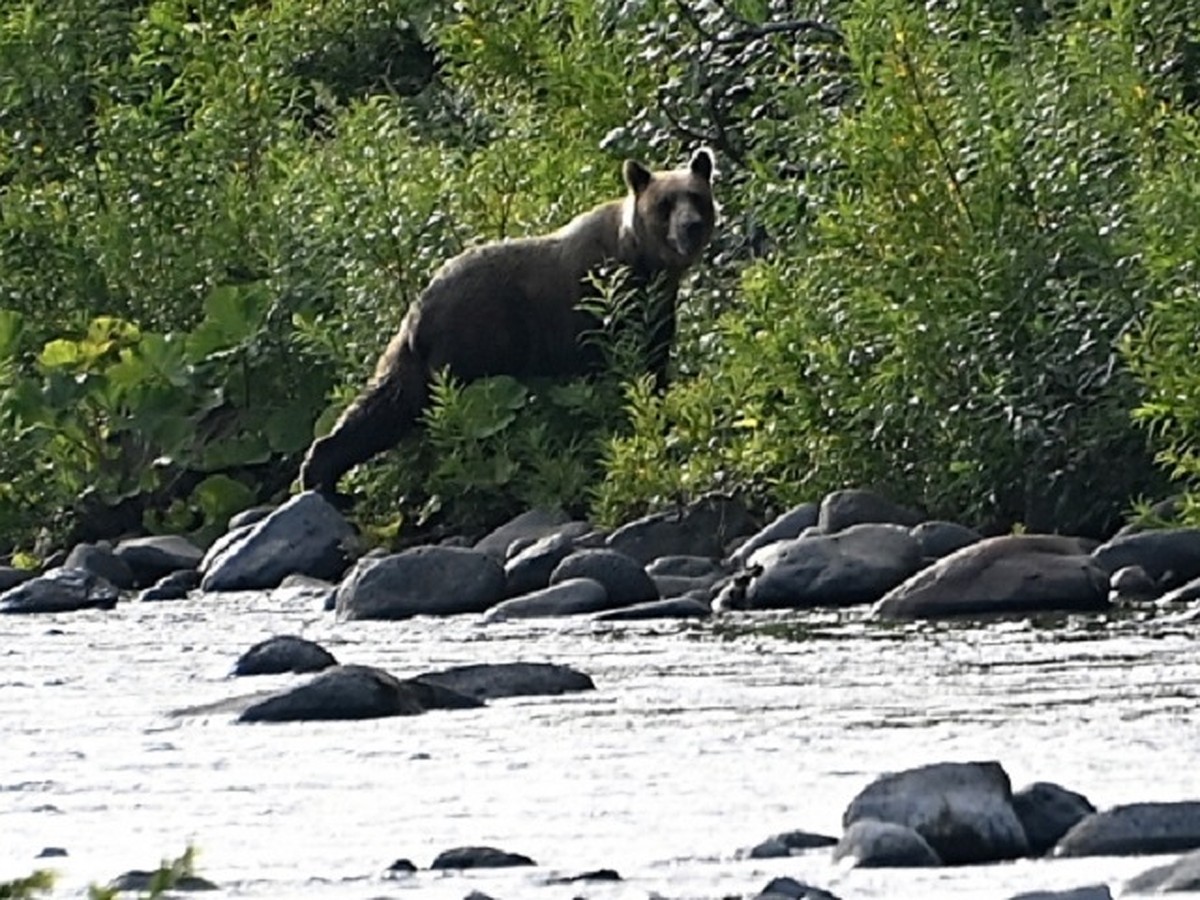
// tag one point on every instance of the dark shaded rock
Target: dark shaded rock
(595, 875)
(155, 557)
(402, 866)
(489, 681)
(533, 523)
(963, 810)
(685, 567)
(841, 509)
(284, 653)
(1088, 892)
(344, 692)
(479, 858)
(1048, 811)
(1181, 875)
(857, 565)
(685, 607)
(250, 516)
(11, 577)
(783, 528)
(306, 535)
(142, 881)
(622, 576)
(1135, 828)
(572, 597)
(789, 843)
(791, 889)
(305, 589)
(50, 852)
(99, 559)
(874, 844)
(175, 586)
(423, 581)
(938, 539)
(60, 590)
(1007, 575)
(1170, 556)
(478, 895)
(702, 528)
(436, 696)
(1186, 593)
(670, 586)
(1131, 584)
(529, 570)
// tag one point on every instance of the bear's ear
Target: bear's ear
(702, 163)
(637, 176)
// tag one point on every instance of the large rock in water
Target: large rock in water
(843, 509)
(1168, 555)
(284, 653)
(575, 596)
(1181, 875)
(853, 566)
(1008, 575)
(157, 556)
(625, 581)
(871, 843)
(1048, 811)
(702, 528)
(60, 590)
(422, 581)
(305, 536)
(1135, 828)
(785, 527)
(963, 810)
(488, 681)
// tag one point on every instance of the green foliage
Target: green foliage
(178, 873)
(39, 882)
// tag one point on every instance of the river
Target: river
(700, 741)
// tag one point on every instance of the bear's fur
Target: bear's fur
(512, 308)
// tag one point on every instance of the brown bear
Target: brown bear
(512, 308)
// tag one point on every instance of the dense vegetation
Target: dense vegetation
(959, 260)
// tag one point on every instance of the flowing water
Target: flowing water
(700, 741)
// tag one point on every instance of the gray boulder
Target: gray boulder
(789, 843)
(479, 858)
(938, 539)
(963, 810)
(622, 576)
(1181, 875)
(1170, 556)
(157, 556)
(790, 889)
(344, 692)
(678, 585)
(99, 559)
(785, 527)
(874, 844)
(685, 567)
(60, 590)
(529, 525)
(304, 589)
(1048, 811)
(857, 565)
(422, 581)
(284, 653)
(489, 681)
(684, 607)
(10, 577)
(841, 509)
(1008, 575)
(1187, 592)
(306, 535)
(1088, 892)
(1131, 584)
(1135, 828)
(529, 570)
(702, 528)
(174, 586)
(573, 597)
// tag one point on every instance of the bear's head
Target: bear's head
(671, 214)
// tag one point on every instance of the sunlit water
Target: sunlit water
(699, 742)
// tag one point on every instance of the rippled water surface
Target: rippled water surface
(700, 741)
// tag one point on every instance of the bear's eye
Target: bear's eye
(664, 207)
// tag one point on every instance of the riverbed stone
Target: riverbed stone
(870, 843)
(784, 527)
(532, 524)
(683, 566)
(682, 607)
(421, 581)
(174, 586)
(99, 559)
(572, 597)
(856, 506)
(489, 681)
(789, 843)
(306, 535)
(1183, 874)
(143, 881)
(343, 692)
(1007, 575)
(785, 888)
(479, 858)
(702, 528)
(1087, 892)
(1132, 584)
(60, 590)
(154, 557)
(11, 576)
(1048, 811)
(529, 570)
(284, 653)
(963, 810)
(937, 539)
(1188, 592)
(678, 585)
(856, 565)
(1135, 828)
(622, 576)
(1170, 556)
